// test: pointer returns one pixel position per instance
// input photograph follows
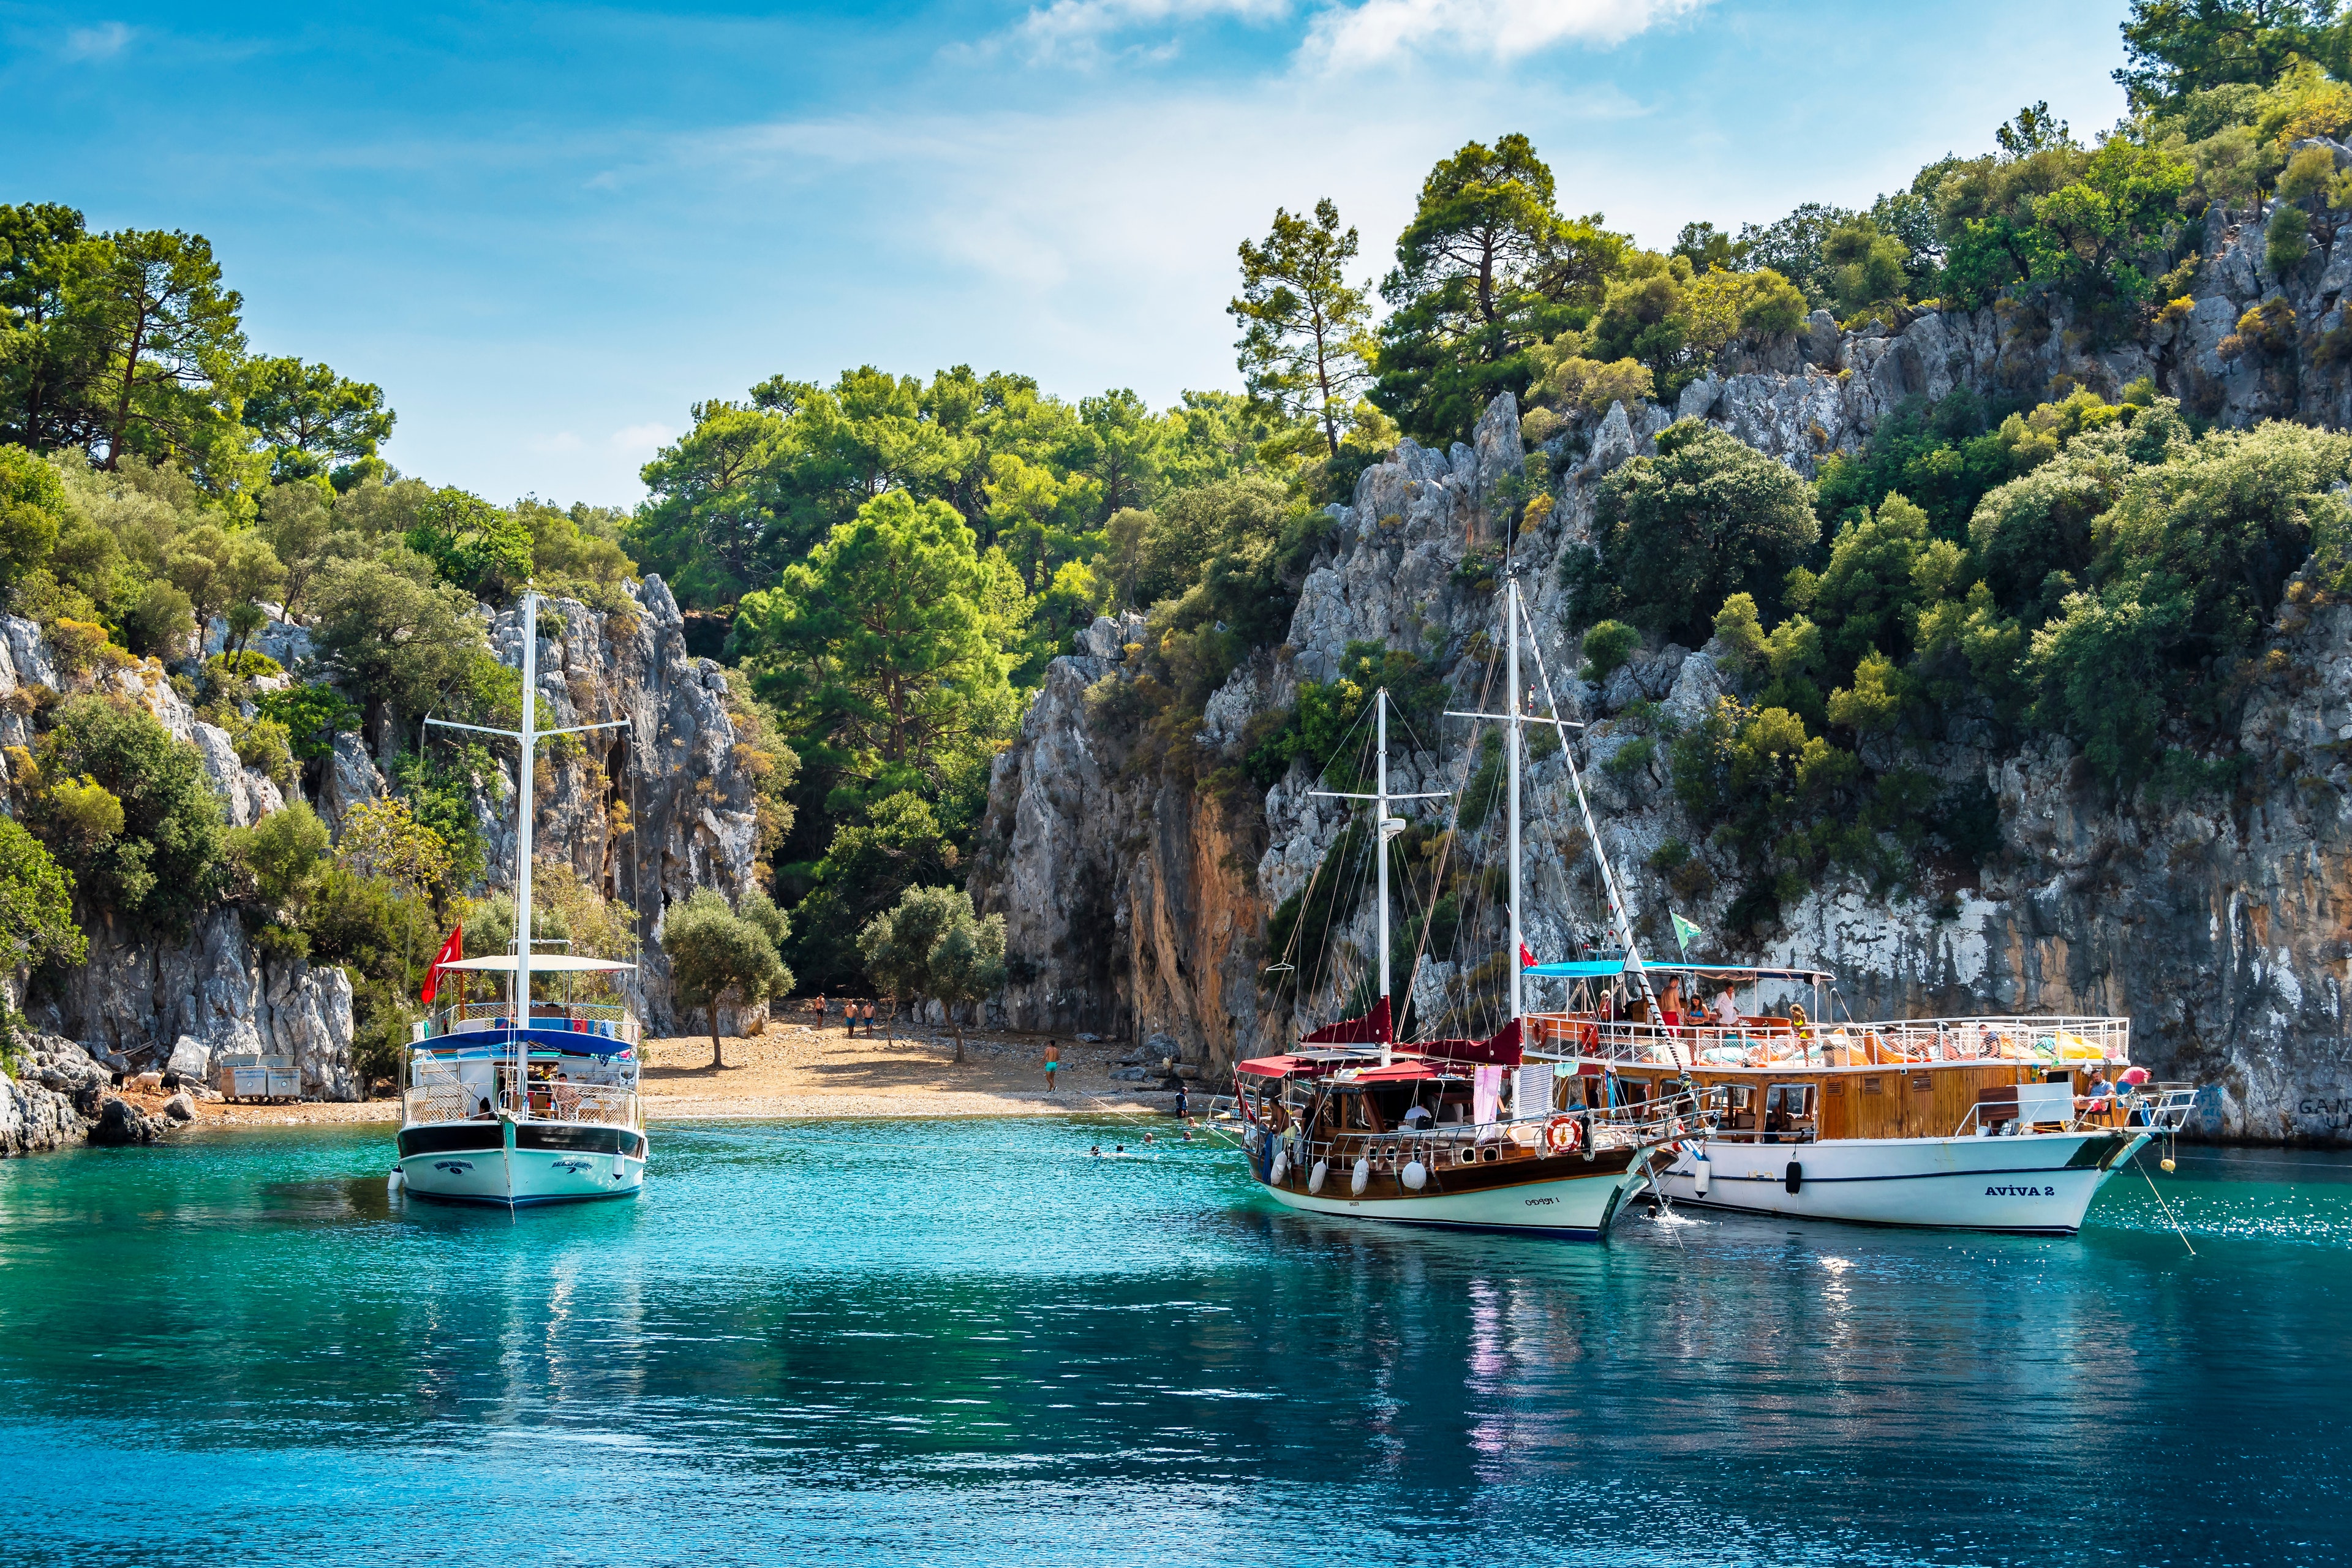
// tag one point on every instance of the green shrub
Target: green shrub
(1709, 516)
(246, 664)
(1607, 646)
(311, 717)
(2287, 239)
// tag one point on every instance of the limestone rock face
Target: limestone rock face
(1138, 905)
(52, 1104)
(181, 1005)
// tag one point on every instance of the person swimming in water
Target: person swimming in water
(1095, 1150)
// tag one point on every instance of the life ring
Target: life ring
(1563, 1134)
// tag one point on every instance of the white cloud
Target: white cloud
(641, 440)
(1078, 28)
(1377, 31)
(102, 42)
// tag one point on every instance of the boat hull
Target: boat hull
(516, 1165)
(2035, 1185)
(1578, 1208)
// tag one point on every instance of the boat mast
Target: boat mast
(1511, 749)
(1384, 827)
(1620, 915)
(529, 735)
(1380, 852)
(529, 739)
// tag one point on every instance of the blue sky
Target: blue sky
(547, 229)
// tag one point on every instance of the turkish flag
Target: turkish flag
(451, 952)
(1527, 959)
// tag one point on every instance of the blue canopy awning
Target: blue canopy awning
(1608, 968)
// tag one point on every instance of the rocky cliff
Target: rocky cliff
(645, 814)
(1139, 908)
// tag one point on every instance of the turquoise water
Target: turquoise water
(968, 1342)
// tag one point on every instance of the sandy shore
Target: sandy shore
(794, 1071)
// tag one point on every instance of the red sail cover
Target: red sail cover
(1500, 1049)
(1372, 1029)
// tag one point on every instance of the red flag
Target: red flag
(1527, 959)
(451, 952)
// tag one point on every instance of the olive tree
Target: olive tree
(931, 944)
(714, 952)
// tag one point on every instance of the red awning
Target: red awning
(1499, 1049)
(1270, 1066)
(1372, 1029)
(1399, 1072)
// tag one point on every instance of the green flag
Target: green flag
(1684, 932)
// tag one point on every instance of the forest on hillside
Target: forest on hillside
(888, 560)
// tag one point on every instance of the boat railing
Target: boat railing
(1765, 1042)
(607, 1020)
(1643, 1125)
(2133, 1108)
(437, 1091)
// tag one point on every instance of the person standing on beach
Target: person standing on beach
(1052, 1062)
(849, 1018)
(820, 1013)
(867, 1015)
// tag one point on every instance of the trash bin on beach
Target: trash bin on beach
(249, 1075)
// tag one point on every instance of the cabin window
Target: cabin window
(1874, 1086)
(1785, 1105)
(1740, 1093)
(1921, 1083)
(1835, 1089)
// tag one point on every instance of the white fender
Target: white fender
(1281, 1169)
(1315, 1177)
(1416, 1176)
(1700, 1171)
(1363, 1176)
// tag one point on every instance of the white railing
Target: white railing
(1641, 1125)
(1770, 1042)
(604, 1020)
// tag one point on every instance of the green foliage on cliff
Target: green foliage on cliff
(36, 923)
(128, 810)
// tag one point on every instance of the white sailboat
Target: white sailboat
(524, 1099)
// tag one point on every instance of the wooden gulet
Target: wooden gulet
(1418, 1132)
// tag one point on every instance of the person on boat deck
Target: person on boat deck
(1670, 1005)
(1727, 1009)
(1417, 1115)
(482, 1113)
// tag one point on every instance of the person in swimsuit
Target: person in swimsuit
(868, 1015)
(1052, 1062)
